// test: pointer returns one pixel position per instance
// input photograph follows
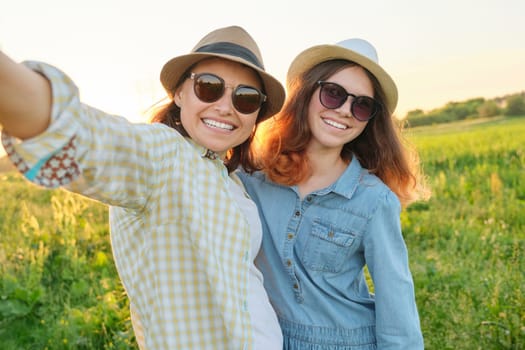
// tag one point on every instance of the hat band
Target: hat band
(231, 49)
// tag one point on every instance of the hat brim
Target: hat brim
(321, 53)
(173, 70)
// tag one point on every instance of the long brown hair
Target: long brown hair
(241, 155)
(379, 148)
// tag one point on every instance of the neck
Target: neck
(326, 168)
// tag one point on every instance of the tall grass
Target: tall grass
(59, 288)
(467, 243)
(58, 284)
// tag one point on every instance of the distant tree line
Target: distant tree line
(509, 105)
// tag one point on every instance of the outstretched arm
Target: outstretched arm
(25, 99)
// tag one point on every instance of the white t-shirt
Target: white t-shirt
(266, 329)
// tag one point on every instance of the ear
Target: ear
(177, 98)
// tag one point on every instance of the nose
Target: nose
(224, 104)
(346, 108)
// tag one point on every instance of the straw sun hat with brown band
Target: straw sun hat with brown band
(232, 43)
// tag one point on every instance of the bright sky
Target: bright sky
(436, 51)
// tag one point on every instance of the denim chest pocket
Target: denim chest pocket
(328, 247)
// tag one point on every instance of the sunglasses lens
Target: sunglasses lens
(363, 108)
(208, 88)
(332, 95)
(246, 99)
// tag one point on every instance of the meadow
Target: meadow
(59, 288)
(466, 243)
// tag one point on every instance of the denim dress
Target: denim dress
(313, 256)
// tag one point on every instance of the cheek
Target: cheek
(189, 117)
(186, 98)
(190, 107)
(361, 126)
(315, 105)
(249, 125)
(314, 108)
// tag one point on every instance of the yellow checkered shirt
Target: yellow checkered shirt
(180, 242)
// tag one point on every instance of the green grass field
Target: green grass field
(466, 244)
(58, 285)
(59, 288)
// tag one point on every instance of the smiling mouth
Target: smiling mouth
(335, 124)
(218, 125)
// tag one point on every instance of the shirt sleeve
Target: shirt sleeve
(90, 152)
(397, 319)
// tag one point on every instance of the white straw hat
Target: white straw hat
(356, 50)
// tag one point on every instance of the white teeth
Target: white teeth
(216, 124)
(335, 125)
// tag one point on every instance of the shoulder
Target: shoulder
(374, 194)
(253, 179)
(259, 187)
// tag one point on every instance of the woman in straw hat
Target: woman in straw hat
(184, 234)
(335, 176)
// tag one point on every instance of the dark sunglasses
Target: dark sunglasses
(333, 96)
(210, 88)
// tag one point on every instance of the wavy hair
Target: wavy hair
(380, 148)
